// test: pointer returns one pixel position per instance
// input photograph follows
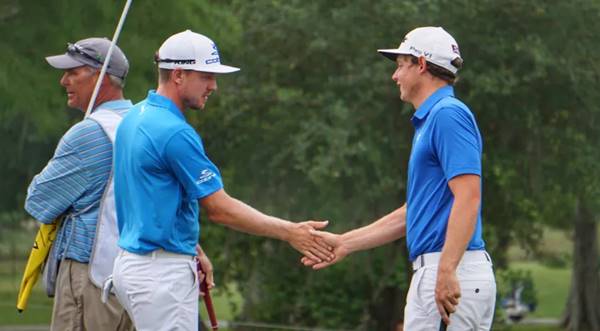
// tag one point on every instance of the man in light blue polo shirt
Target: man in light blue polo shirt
(162, 176)
(442, 215)
(73, 183)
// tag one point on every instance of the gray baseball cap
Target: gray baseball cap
(91, 52)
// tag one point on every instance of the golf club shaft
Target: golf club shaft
(444, 326)
(107, 59)
(214, 324)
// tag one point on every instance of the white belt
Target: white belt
(160, 253)
(430, 259)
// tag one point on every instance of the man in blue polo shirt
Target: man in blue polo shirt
(162, 175)
(442, 215)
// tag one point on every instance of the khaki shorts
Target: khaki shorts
(77, 304)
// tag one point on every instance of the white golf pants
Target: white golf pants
(159, 290)
(475, 310)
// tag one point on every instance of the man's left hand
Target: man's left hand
(447, 293)
(207, 267)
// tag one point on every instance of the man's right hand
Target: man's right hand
(329, 239)
(302, 239)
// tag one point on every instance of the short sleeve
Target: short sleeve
(185, 156)
(456, 142)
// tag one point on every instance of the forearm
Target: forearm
(199, 250)
(461, 225)
(237, 215)
(386, 229)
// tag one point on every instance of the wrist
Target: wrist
(345, 244)
(199, 251)
(446, 265)
(287, 232)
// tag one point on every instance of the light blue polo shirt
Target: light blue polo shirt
(161, 170)
(72, 183)
(446, 144)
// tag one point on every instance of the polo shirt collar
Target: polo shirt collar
(161, 101)
(426, 106)
(115, 104)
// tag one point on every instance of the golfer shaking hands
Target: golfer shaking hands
(162, 177)
(453, 283)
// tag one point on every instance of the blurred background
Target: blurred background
(312, 128)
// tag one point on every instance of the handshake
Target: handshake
(320, 249)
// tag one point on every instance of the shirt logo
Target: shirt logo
(205, 176)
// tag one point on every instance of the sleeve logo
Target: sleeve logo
(205, 176)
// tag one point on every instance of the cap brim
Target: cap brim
(220, 69)
(211, 68)
(391, 54)
(63, 61)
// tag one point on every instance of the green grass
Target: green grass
(39, 307)
(552, 287)
(529, 328)
(226, 305)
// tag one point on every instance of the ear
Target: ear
(422, 65)
(177, 75)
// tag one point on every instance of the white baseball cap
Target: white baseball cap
(191, 51)
(433, 43)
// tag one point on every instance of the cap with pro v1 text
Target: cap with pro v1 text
(433, 43)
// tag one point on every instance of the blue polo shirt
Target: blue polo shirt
(73, 182)
(161, 170)
(446, 144)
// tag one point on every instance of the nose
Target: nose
(63, 80)
(395, 75)
(213, 84)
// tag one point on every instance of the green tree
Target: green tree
(312, 127)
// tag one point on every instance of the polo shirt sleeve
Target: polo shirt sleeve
(456, 142)
(185, 155)
(64, 179)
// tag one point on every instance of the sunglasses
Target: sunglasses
(74, 49)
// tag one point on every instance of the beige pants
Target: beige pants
(77, 305)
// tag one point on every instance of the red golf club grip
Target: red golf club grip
(208, 301)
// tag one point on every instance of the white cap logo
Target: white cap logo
(191, 51)
(433, 43)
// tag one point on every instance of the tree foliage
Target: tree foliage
(312, 127)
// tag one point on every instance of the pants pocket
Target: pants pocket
(183, 281)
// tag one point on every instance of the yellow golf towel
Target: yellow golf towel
(39, 253)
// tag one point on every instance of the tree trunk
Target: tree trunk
(583, 306)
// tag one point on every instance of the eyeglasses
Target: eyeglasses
(74, 49)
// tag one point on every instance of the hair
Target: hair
(117, 81)
(439, 72)
(114, 80)
(163, 75)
